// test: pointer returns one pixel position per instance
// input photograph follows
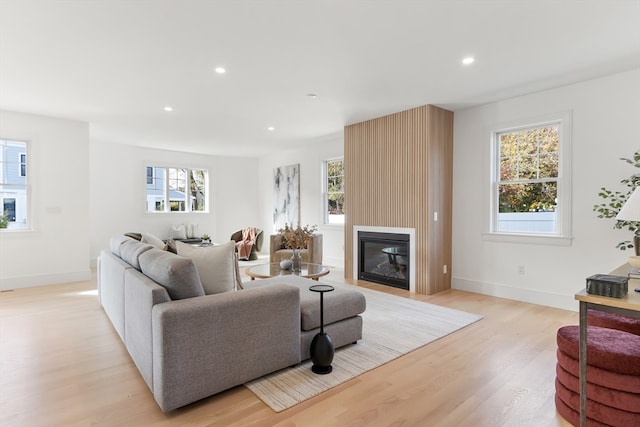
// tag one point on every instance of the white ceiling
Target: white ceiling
(117, 63)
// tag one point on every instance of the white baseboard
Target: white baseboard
(333, 262)
(565, 302)
(45, 279)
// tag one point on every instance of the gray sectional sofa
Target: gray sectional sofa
(188, 345)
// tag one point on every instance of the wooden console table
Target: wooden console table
(627, 306)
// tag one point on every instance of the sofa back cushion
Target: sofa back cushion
(177, 274)
(131, 250)
(116, 242)
(216, 265)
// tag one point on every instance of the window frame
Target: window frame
(562, 236)
(325, 190)
(166, 189)
(24, 186)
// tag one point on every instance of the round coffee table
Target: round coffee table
(264, 271)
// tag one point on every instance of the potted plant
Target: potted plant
(614, 200)
(206, 240)
(296, 239)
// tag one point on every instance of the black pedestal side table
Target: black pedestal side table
(321, 345)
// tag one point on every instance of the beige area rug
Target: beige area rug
(393, 326)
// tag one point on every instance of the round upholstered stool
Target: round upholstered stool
(613, 376)
(613, 321)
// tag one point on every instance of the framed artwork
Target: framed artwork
(286, 196)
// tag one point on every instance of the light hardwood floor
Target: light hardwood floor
(62, 364)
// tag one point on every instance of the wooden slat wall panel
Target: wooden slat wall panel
(397, 173)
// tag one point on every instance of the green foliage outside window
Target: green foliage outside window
(335, 187)
(529, 170)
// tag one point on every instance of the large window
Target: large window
(530, 185)
(13, 185)
(176, 189)
(334, 191)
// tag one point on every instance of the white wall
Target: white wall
(310, 156)
(57, 249)
(118, 193)
(605, 127)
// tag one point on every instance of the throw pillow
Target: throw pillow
(192, 231)
(215, 264)
(154, 241)
(178, 275)
(178, 232)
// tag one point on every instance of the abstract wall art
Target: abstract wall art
(286, 196)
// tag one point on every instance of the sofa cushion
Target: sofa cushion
(116, 241)
(178, 275)
(131, 250)
(215, 265)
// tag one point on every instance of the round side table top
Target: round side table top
(321, 288)
(264, 271)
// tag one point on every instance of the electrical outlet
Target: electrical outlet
(521, 270)
(435, 216)
(444, 269)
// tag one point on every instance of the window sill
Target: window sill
(533, 239)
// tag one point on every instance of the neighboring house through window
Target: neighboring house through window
(176, 189)
(334, 191)
(13, 183)
(530, 189)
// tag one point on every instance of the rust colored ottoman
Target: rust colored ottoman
(613, 321)
(613, 376)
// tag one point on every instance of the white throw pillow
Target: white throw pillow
(154, 241)
(192, 231)
(215, 265)
(178, 232)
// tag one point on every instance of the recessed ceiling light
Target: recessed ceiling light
(468, 60)
(168, 108)
(220, 70)
(312, 95)
(271, 128)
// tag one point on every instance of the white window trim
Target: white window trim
(31, 190)
(167, 205)
(325, 194)
(563, 236)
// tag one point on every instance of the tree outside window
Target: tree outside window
(334, 201)
(527, 185)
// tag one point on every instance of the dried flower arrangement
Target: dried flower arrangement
(297, 238)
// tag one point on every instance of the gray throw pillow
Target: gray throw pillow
(178, 275)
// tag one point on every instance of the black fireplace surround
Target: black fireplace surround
(384, 258)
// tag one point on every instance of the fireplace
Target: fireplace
(384, 258)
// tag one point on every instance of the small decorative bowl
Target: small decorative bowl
(286, 264)
(634, 261)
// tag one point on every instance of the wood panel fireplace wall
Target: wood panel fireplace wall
(398, 173)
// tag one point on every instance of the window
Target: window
(334, 191)
(13, 184)
(23, 164)
(530, 186)
(176, 189)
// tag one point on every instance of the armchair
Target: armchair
(257, 244)
(313, 253)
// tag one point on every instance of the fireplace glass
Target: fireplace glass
(384, 258)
